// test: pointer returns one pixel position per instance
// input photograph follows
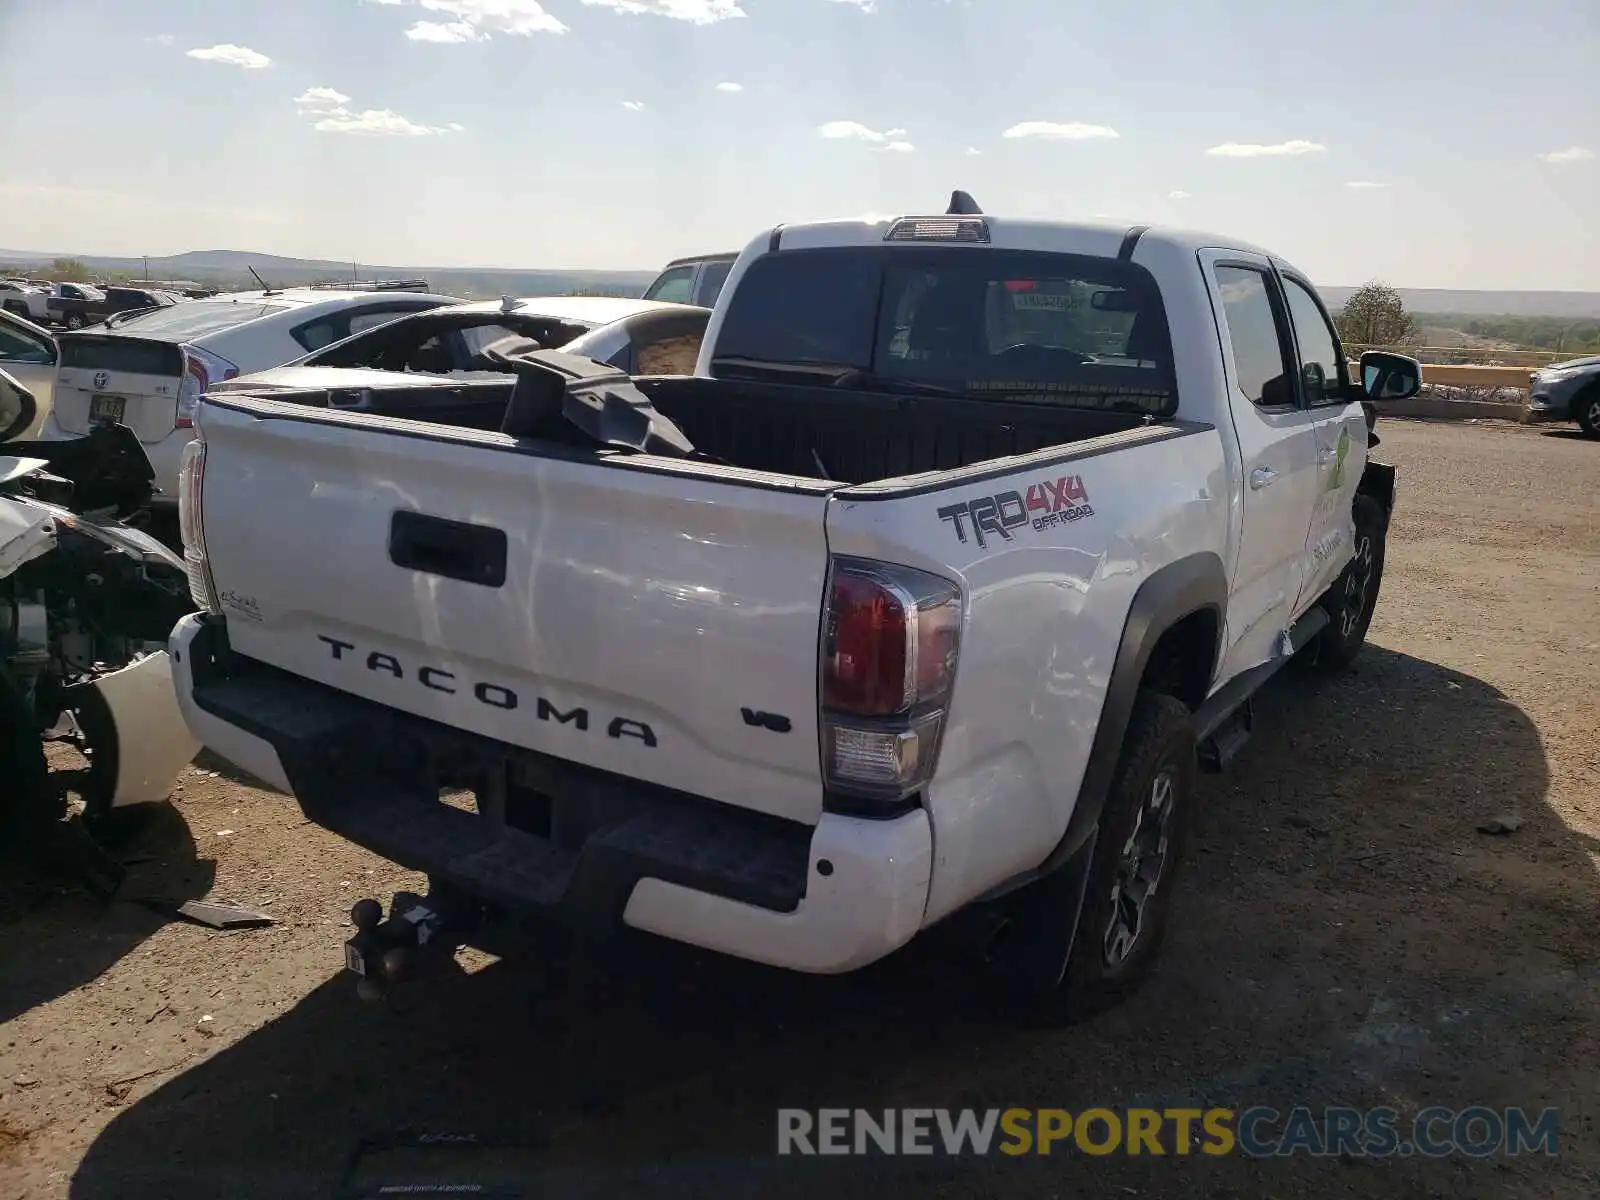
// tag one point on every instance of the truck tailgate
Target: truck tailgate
(632, 620)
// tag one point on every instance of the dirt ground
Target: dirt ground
(1343, 935)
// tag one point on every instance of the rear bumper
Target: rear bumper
(551, 838)
(165, 457)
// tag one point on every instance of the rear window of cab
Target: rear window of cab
(1055, 328)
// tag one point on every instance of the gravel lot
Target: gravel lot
(1343, 935)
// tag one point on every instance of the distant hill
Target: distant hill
(1579, 305)
(231, 268)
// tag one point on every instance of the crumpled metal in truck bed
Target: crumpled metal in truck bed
(599, 401)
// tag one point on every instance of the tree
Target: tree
(1375, 316)
(68, 270)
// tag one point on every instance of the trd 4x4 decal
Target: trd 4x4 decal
(1044, 506)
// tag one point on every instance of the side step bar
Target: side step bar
(1224, 722)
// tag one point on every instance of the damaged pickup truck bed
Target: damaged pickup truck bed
(970, 540)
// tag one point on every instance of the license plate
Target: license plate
(353, 961)
(107, 408)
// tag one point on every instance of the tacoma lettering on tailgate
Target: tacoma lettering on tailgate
(494, 695)
(1044, 505)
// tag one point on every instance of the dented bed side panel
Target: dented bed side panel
(1050, 551)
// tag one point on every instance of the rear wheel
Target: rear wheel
(73, 321)
(1586, 408)
(1092, 941)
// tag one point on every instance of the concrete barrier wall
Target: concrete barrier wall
(1478, 377)
(1520, 378)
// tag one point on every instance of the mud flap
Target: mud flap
(1031, 957)
(152, 741)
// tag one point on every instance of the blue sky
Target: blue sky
(603, 133)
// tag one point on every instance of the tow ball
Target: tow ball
(385, 952)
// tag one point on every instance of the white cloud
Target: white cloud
(233, 56)
(1257, 150)
(378, 122)
(321, 100)
(730, 87)
(1051, 131)
(633, 105)
(1178, 194)
(325, 108)
(696, 12)
(836, 130)
(477, 20)
(891, 140)
(973, 152)
(1571, 154)
(1364, 184)
(445, 33)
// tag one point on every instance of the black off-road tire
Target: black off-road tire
(1353, 598)
(1102, 963)
(1586, 410)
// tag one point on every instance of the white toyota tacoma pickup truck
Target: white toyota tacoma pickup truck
(967, 544)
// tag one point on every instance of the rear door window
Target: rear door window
(1067, 329)
(337, 326)
(1256, 335)
(712, 276)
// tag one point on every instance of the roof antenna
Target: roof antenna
(963, 205)
(265, 290)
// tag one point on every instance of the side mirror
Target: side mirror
(17, 407)
(1387, 376)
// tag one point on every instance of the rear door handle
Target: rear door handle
(1262, 477)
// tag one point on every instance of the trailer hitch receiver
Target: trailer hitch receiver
(385, 952)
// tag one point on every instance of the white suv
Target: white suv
(148, 371)
(21, 297)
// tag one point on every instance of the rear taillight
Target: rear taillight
(192, 529)
(198, 371)
(889, 646)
